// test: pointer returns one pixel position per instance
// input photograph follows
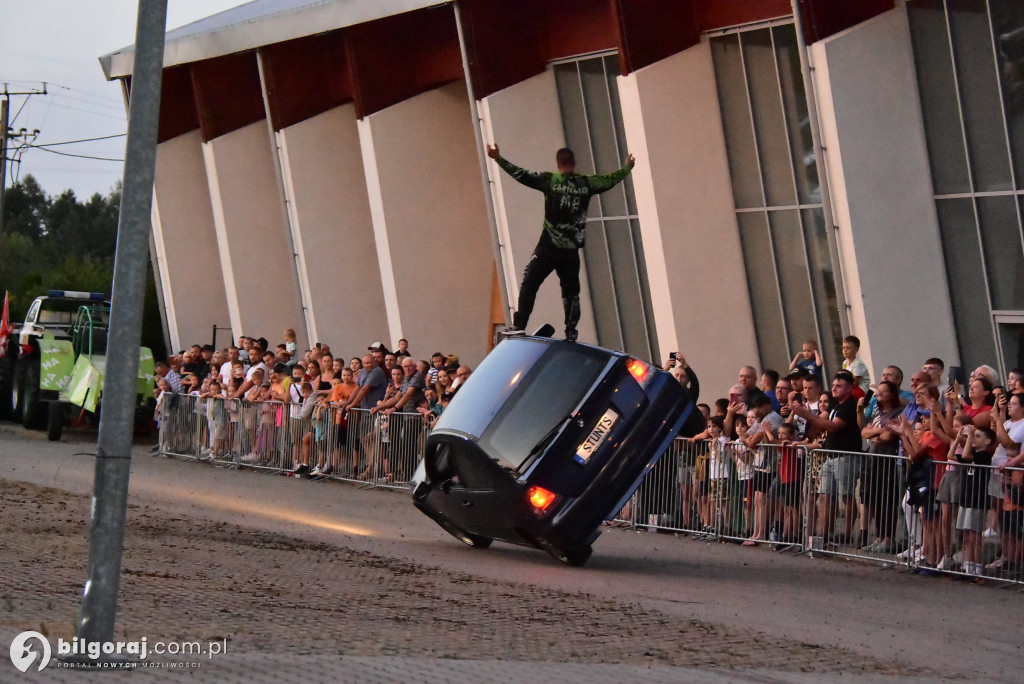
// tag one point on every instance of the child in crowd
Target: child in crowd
(718, 471)
(852, 363)
(979, 445)
(809, 360)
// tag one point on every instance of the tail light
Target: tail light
(539, 498)
(640, 371)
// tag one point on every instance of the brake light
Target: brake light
(540, 498)
(640, 371)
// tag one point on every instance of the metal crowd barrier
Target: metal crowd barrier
(854, 505)
(357, 445)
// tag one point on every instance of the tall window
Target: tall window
(777, 194)
(970, 70)
(614, 252)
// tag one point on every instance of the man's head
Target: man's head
(842, 385)
(987, 372)
(782, 389)
(761, 405)
(390, 361)
(919, 379)
(207, 352)
(463, 373)
(748, 378)
(408, 366)
(161, 368)
(812, 388)
(254, 356)
(769, 379)
(565, 160)
(369, 362)
(893, 374)
(934, 367)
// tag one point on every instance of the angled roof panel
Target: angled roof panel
(257, 23)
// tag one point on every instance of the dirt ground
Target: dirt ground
(186, 578)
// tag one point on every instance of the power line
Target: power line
(69, 154)
(72, 142)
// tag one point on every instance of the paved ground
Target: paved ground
(326, 582)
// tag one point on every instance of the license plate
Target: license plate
(596, 437)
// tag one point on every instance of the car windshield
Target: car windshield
(520, 394)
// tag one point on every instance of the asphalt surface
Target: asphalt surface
(321, 581)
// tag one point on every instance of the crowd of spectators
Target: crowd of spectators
(919, 473)
(281, 391)
(896, 470)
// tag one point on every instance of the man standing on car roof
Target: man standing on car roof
(566, 197)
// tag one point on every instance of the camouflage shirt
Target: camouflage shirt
(566, 198)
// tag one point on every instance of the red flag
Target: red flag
(5, 327)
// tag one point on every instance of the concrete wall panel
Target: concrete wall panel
(684, 200)
(256, 255)
(433, 235)
(185, 240)
(878, 163)
(330, 217)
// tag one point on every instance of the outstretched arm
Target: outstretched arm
(601, 183)
(531, 179)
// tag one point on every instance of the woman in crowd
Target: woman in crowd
(979, 446)
(1008, 422)
(882, 490)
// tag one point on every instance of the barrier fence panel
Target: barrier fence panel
(855, 505)
(972, 519)
(386, 448)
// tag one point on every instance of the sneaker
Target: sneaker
(905, 556)
(249, 458)
(300, 470)
(513, 331)
(571, 334)
(946, 563)
(315, 472)
(989, 533)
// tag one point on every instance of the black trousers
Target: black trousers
(545, 259)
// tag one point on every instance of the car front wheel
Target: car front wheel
(474, 540)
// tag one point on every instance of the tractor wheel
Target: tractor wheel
(33, 412)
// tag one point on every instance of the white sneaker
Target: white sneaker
(907, 554)
(315, 472)
(946, 563)
(989, 533)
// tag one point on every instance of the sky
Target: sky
(59, 42)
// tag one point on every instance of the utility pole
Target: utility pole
(114, 446)
(5, 135)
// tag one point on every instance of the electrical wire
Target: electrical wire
(72, 142)
(69, 154)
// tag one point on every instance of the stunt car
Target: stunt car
(545, 441)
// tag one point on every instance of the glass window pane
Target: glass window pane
(794, 100)
(596, 100)
(739, 132)
(979, 88)
(971, 314)
(1004, 255)
(627, 288)
(611, 70)
(645, 290)
(1008, 27)
(823, 283)
(791, 259)
(602, 291)
(574, 119)
(772, 144)
(938, 97)
(764, 289)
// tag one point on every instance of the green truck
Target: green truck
(53, 368)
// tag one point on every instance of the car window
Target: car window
(483, 395)
(544, 399)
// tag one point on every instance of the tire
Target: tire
(6, 387)
(474, 540)
(18, 391)
(55, 418)
(33, 412)
(574, 557)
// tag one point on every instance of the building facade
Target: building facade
(805, 169)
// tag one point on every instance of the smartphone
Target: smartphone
(673, 355)
(735, 398)
(870, 393)
(956, 374)
(318, 345)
